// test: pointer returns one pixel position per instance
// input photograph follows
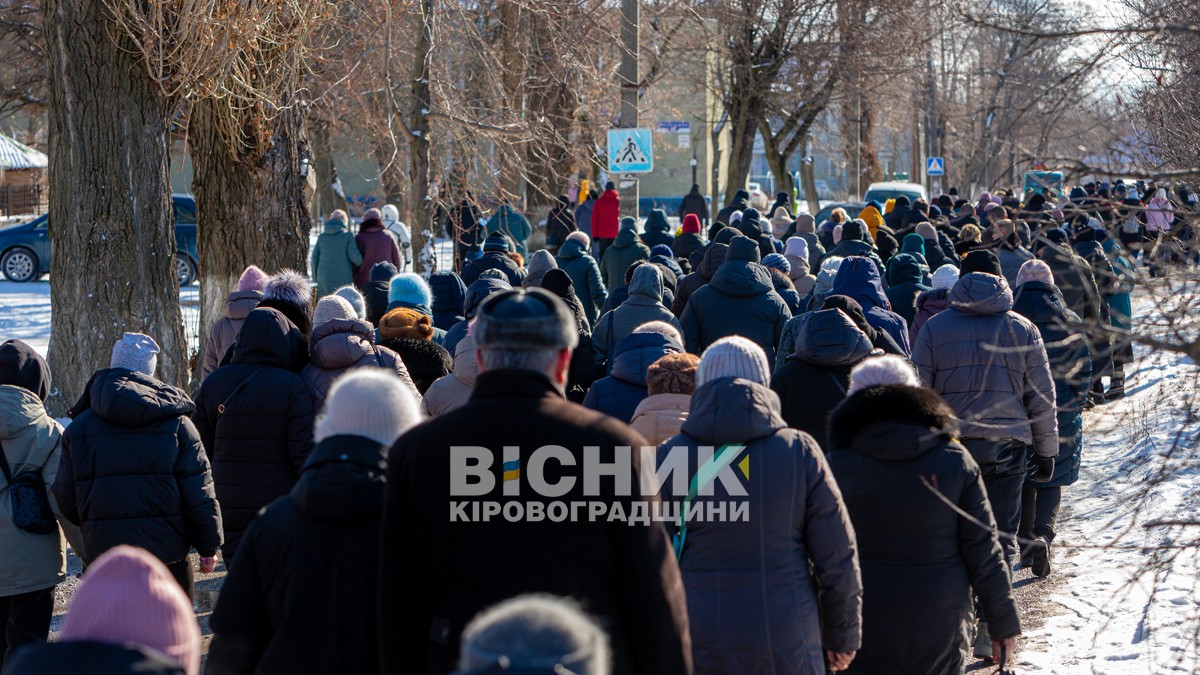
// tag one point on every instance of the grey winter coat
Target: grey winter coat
(343, 344)
(740, 300)
(585, 277)
(989, 363)
(643, 306)
(335, 258)
(454, 390)
(752, 586)
(1011, 258)
(626, 249)
(225, 330)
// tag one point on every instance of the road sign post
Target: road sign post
(935, 166)
(630, 151)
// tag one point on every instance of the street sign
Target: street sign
(935, 166)
(630, 151)
(674, 127)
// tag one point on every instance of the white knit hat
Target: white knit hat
(882, 370)
(332, 307)
(368, 402)
(136, 352)
(734, 356)
(945, 276)
(796, 247)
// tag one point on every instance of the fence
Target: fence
(23, 199)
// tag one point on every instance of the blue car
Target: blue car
(25, 248)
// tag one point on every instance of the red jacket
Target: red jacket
(606, 215)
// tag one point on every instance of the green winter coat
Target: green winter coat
(585, 277)
(335, 258)
(626, 249)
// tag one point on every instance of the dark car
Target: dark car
(852, 209)
(25, 248)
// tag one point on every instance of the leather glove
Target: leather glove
(1041, 469)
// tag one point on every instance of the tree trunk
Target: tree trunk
(424, 256)
(743, 120)
(114, 244)
(327, 200)
(809, 179)
(251, 209)
(390, 152)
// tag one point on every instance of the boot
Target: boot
(1116, 387)
(983, 642)
(1039, 558)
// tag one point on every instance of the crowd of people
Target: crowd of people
(901, 390)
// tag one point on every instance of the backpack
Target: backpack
(30, 503)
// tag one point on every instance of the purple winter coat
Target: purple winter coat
(929, 305)
(340, 345)
(377, 245)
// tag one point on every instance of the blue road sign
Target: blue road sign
(630, 151)
(935, 166)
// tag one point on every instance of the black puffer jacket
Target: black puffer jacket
(94, 658)
(259, 443)
(714, 255)
(920, 560)
(133, 470)
(493, 260)
(375, 294)
(324, 535)
(814, 378)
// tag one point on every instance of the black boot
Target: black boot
(1116, 387)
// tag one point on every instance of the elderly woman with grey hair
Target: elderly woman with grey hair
(533, 634)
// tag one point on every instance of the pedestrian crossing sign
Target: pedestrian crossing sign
(935, 166)
(630, 151)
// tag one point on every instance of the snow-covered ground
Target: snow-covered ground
(1123, 597)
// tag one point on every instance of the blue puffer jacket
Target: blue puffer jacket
(1071, 365)
(449, 299)
(905, 284)
(740, 300)
(619, 394)
(858, 278)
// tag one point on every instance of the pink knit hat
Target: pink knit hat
(253, 279)
(1035, 270)
(128, 595)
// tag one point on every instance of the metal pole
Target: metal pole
(630, 83)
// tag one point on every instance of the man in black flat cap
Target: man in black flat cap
(443, 563)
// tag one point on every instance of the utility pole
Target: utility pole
(631, 80)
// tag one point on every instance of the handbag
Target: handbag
(30, 503)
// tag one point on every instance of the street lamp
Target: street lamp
(694, 164)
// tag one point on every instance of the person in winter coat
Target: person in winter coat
(622, 572)
(289, 293)
(1007, 247)
(905, 286)
(1040, 301)
(574, 259)
(820, 290)
(128, 616)
(619, 394)
(625, 250)
(449, 298)
(390, 215)
(584, 368)
(583, 214)
(454, 390)
(489, 283)
(812, 380)
(238, 304)
(411, 292)
(513, 224)
(931, 303)
(410, 334)
(714, 256)
(805, 229)
(752, 584)
(340, 343)
(689, 241)
(464, 228)
(740, 202)
(357, 302)
(656, 230)
(921, 561)
(796, 252)
(560, 222)
(858, 278)
(740, 300)
(781, 222)
(989, 364)
(1160, 214)
(881, 340)
(969, 239)
(377, 245)
(376, 292)
(872, 215)
(255, 418)
(1120, 311)
(1074, 277)
(323, 535)
(694, 204)
(606, 216)
(133, 469)
(780, 270)
(31, 441)
(670, 382)
(783, 201)
(914, 245)
(751, 226)
(495, 248)
(335, 257)
(539, 263)
(643, 306)
(854, 243)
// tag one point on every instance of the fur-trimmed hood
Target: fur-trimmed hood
(892, 422)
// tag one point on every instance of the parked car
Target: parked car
(881, 192)
(852, 209)
(25, 248)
